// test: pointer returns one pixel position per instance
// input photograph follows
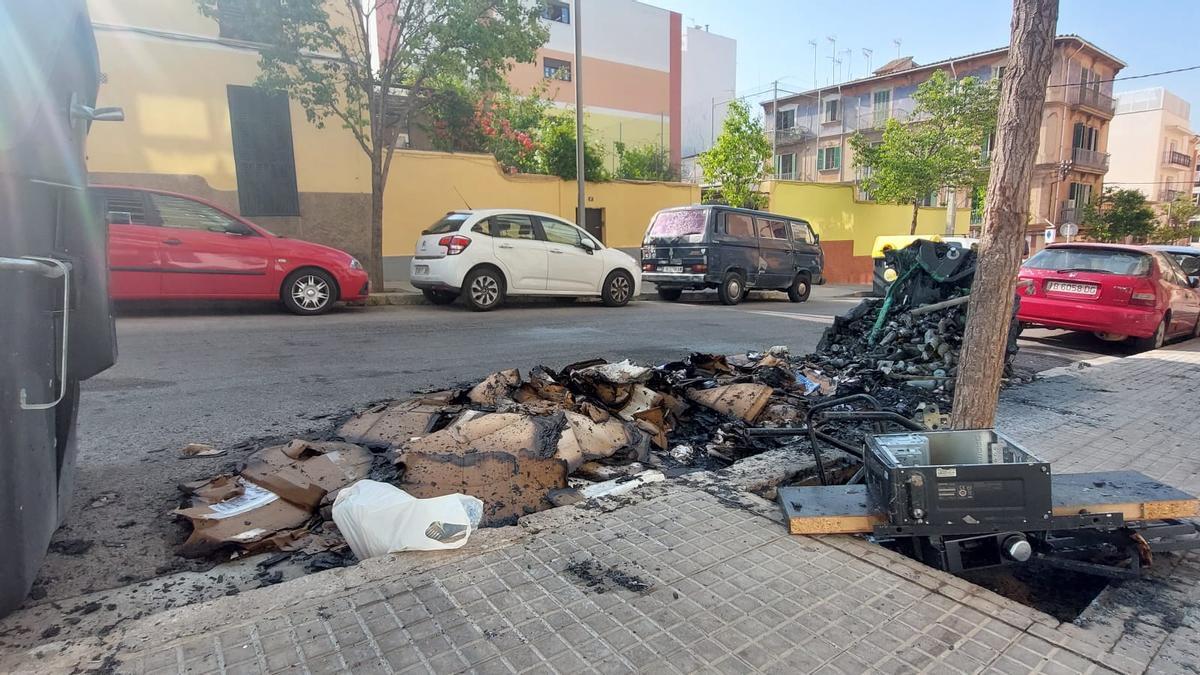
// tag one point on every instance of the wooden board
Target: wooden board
(843, 509)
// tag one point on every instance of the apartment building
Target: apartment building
(1153, 146)
(811, 130)
(647, 77)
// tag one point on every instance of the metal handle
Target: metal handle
(172, 242)
(504, 246)
(556, 251)
(51, 268)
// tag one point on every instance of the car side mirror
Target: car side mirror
(816, 238)
(587, 245)
(1194, 281)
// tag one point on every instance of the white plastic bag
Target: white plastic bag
(378, 518)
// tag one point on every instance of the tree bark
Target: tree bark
(374, 260)
(912, 230)
(1022, 96)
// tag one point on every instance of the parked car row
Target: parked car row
(1145, 294)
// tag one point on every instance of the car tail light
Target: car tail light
(699, 268)
(455, 243)
(647, 267)
(1143, 294)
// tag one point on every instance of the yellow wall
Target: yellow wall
(836, 216)
(177, 117)
(423, 186)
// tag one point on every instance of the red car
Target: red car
(1117, 292)
(164, 246)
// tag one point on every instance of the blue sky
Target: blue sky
(1148, 35)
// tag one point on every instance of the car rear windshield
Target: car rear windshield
(1101, 260)
(450, 223)
(678, 223)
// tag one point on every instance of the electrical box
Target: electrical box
(956, 482)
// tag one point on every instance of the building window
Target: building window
(556, 11)
(785, 119)
(1085, 137)
(881, 106)
(248, 20)
(930, 199)
(1080, 194)
(998, 72)
(785, 166)
(829, 159)
(261, 125)
(830, 113)
(556, 69)
(989, 145)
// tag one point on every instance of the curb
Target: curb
(406, 299)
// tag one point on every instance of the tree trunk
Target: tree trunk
(375, 254)
(912, 230)
(1023, 94)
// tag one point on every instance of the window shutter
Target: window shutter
(262, 150)
(837, 158)
(820, 158)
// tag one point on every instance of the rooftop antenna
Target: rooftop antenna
(867, 53)
(813, 42)
(897, 42)
(834, 61)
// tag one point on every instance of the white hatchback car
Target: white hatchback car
(485, 255)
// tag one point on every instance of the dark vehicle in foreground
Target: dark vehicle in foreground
(732, 250)
(55, 325)
(168, 246)
(1115, 291)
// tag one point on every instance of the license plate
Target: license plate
(422, 269)
(669, 269)
(1072, 288)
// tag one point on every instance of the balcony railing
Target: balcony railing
(1092, 160)
(1166, 196)
(1069, 212)
(1084, 97)
(791, 134)
(1179, 158)
(876, 119)
(788, 175)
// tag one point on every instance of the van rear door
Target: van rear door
(776, 266)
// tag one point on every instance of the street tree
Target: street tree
(737, 160)
(1118, 214)
(556, 150)
(327, 58)
(939, 146)
(1179, 222)
(643, 162)
(989, 314)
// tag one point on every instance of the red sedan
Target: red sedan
(163, 245)
(1117, 292)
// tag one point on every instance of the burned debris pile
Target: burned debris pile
(523, 444)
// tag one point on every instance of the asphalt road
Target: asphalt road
(225, 376)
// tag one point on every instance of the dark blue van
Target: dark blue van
(732, 250)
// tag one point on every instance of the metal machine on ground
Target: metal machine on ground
(964, 500)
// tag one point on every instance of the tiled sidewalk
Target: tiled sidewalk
(688, 579)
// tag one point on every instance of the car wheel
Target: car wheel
(670, 294)
(618, 289)
(309, 292)
(483, 289)
(732, 288)
(436, 297)
(1154, 341)
(800, 289)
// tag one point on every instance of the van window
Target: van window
(678, 223)
(801, 232)
(739, 225)
(772, 229)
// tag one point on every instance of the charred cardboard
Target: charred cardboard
(303, 472)
(246, 515)
(744, 400)
(396, 422)
(495, 387)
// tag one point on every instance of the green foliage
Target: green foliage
(556, 152)
(1118, 214)
(1174, 226)
(738, 159)
(644, 162)
(940, 146)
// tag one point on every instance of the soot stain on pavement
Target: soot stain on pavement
(600, 579)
